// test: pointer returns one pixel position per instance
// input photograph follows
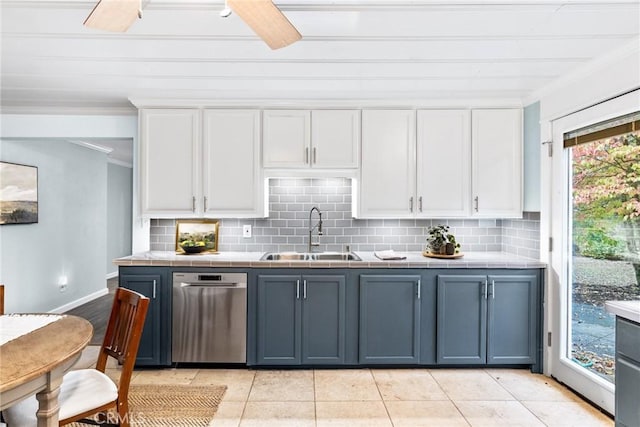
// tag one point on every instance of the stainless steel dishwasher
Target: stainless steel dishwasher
(209, 317)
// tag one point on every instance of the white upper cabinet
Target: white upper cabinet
(232, 177)
(443, 163)
(286, 135)
(388, 177)
(169, 167)
(299, 139)
(186, 174)
(497, 163)
(335, 139)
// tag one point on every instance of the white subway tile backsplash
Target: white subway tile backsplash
(286, 229)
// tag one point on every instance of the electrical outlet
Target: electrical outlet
(246, 231)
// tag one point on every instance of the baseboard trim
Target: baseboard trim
(112, 275)
(79, 302)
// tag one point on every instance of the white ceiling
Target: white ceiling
(351, 50)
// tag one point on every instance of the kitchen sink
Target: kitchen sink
(306, 256)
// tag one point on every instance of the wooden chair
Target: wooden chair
(88, 392)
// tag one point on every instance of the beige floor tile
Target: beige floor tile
(238, 382)
(496, 413)
(228, 414)
(527, 386)
(407, 384)
(282, 386)
(165, 376)
(352, 414)
(278, 414)
(425, 413)
(345, 385)
(568, 414)
(469, 384)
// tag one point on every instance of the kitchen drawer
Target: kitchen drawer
(628, 339)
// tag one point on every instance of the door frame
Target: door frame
(556, 187)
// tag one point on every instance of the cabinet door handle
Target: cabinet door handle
(306, 155)
(205, 203)
(493, 289)
(315, 156)
(304, 289)
(154, 289)
(420, 203)
(486, 288)
(193, 203)
(411, 204)
(476, 203)
(298, 289)
(419, 286)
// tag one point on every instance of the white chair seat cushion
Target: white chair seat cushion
(81, 391)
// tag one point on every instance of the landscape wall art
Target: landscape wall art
(18, 194)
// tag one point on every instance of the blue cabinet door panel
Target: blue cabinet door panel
(512, 319)
(278, 320)
(389, 319)
(462, 319)
(323, 320)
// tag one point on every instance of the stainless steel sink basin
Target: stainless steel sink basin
(306, 256)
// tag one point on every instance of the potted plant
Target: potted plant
(440, 241)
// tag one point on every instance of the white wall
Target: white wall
(531, 161)
(119, 200)
(70, 236)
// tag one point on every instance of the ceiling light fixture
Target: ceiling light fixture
(226, 12)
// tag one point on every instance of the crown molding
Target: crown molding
(120, 163)
(91, 146)
(67, 110)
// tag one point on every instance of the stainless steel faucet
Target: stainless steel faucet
(318, 226)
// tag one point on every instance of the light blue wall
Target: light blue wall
(70, 236)
(119, 204)
(531, 188)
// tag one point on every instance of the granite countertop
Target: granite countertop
(629, 310)
(369, 260)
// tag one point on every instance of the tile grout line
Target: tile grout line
(450, 399)
(384, 403)
(244, 407)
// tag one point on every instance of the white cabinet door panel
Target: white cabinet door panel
(497, 163)
(286, 137)
(387, 186)
(444, 163)
(232, 178)
(335, 138)
(169, 174)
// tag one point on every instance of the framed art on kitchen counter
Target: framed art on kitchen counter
(194, 236)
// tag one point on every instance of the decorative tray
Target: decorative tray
(432, 255)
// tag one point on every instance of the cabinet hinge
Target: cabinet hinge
(550, 244)
(548, 339)
(549, 145)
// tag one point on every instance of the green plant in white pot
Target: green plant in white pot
(440, 241)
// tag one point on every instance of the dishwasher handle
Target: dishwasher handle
(214, 285)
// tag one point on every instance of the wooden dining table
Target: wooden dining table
(35, 361)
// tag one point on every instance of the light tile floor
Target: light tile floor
(386, 397)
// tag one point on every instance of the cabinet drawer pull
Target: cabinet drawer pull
(486, 288)
(315, 156)
(420, 203)
(193, 203)
(411, 204)
(205, 203)
(419, 286)
(154, 289)
(304, 289)
(493, 289)
(298, 289)
(475, 200)
(306, 155)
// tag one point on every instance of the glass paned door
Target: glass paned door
(605, 244)
(594, 223)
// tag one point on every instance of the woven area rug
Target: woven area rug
(172, 405)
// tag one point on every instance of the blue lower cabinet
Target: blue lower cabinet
(155, 343)
(487, 319)
(390, 319)
(300, 319)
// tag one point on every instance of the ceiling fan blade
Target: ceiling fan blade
(267, 21)
(113, 15)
